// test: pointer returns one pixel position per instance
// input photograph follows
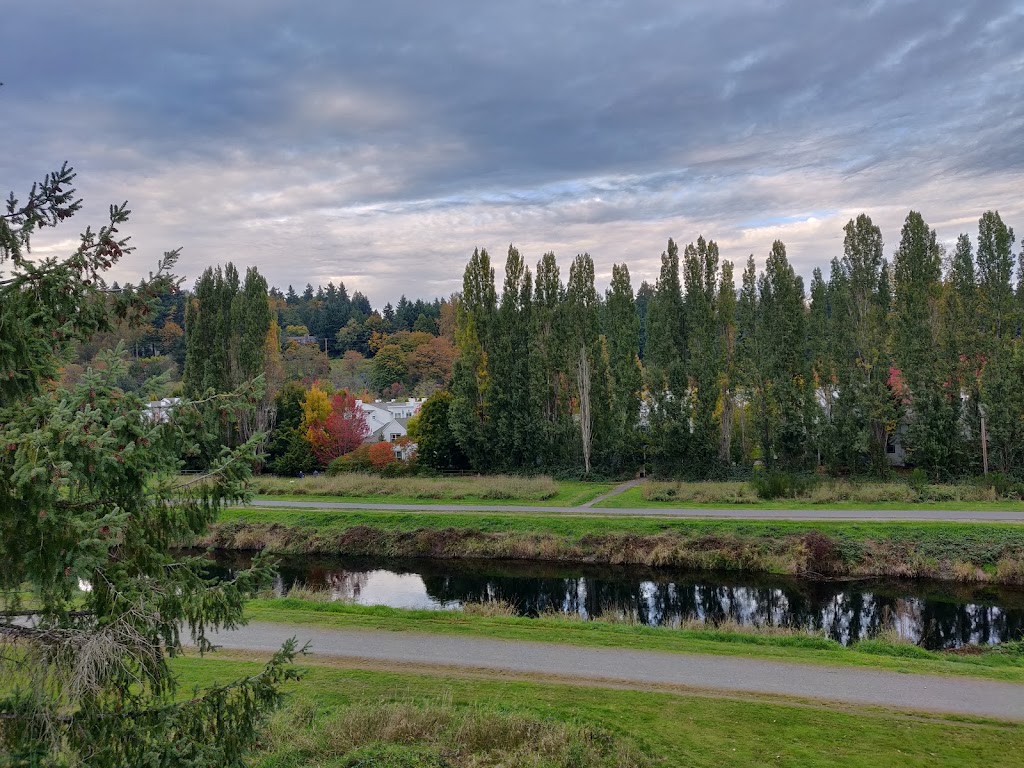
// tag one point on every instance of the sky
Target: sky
(378, 143)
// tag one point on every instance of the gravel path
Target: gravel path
(961, 696)
(901, 515)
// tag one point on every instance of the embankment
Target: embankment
(956, 551)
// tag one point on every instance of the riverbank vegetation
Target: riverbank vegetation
(959, 551)
(616, 726)
(1001, 662)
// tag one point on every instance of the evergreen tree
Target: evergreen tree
(90, 494)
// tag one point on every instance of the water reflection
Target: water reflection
(933, 614)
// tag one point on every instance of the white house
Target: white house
(388, 421)
(160, 410)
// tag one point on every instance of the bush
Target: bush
(381, 455)
(919, 481)
(355, 461)
(782, 485)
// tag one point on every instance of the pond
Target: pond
(933, 614)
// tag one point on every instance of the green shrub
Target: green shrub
(782, 485)
(919, 481)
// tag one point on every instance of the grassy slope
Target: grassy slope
(672, 729)
(597, 524)
(963, 551)
(633, 498)
(804, 649)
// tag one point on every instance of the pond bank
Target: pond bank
(991, 553)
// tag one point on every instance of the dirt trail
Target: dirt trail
(613, 492)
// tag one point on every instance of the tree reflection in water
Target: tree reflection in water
(932, 614)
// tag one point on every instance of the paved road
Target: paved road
(847, 685)
(903, 515)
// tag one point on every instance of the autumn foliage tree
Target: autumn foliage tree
(340, 430)
(381, 454)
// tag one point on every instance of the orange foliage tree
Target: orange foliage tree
(381, 454)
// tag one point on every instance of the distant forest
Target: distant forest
(709, 371)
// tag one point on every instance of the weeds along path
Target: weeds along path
(898, 515)
(617, 667)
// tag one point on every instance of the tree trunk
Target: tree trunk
(583, 371)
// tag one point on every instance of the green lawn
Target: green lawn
(634, 498)
(664, 728)
(1006, 664)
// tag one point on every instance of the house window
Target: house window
(394, 436)
(890, 445)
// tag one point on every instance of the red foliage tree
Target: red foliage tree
(342, 431)
(382, 454)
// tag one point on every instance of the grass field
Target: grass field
(340, 716)
(960, 551)
(826, 495)
(1005, 663)
(493, 489)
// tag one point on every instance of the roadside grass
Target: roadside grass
(1005, 663)
(491, 489)
(969, 552)
(838, 495)
(388, 713)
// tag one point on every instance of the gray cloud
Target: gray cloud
(378, 143)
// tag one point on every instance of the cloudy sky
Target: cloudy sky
(378, 142)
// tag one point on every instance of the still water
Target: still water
(933, 614)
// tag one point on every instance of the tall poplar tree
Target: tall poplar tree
(666, 368)
(784, 419)
(589, 359)
(469, 413)
(548, 355)
(511, 402)
(934, 435)
(727, 345)
(704, 364)
(866, 408)
(623, 334)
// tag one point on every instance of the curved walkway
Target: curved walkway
(900, 515)
(612, 666)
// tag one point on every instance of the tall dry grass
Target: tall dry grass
(357, 485)
(825, 492)
(435, 734)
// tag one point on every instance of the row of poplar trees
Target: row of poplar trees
(703, 378)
